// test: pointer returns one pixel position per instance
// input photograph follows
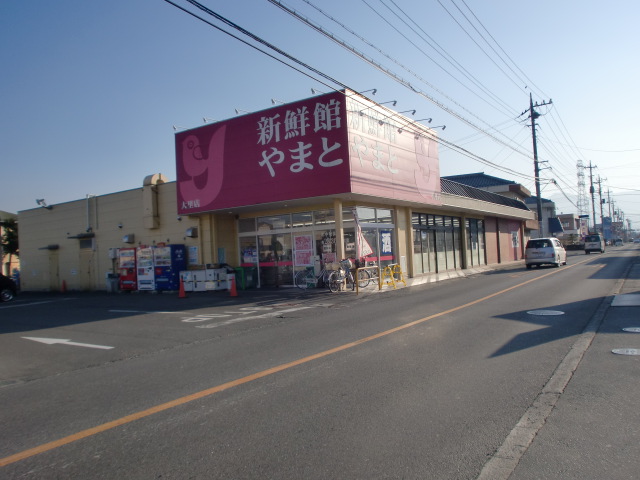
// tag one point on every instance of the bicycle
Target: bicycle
(306, 277)
(342, 276)
(365, 276)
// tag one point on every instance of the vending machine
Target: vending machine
(144, 267)
(168, 262)
(127, 269)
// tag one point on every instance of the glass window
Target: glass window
(275, 255)
(276, 222)
(366, 215)
(385, 215)
(451, 262)
(350, 242)
(248, 251)
(441, 256)
(371, 237)
(324, 217)
(326, 245)
(302, 219)
(347, 215)
(417, 251)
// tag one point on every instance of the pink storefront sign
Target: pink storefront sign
(332, 144)
(293, 151)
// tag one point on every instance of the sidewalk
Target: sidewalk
(593, 430)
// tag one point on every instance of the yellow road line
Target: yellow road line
(250, 378)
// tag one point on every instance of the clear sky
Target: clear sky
(90, 91)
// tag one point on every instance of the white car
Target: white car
(593, 243)
(545, 251)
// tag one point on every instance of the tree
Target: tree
(9, 239)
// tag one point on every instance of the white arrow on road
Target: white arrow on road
(51, 341)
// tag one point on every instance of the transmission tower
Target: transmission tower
(583, 201)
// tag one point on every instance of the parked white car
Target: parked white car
(545, 251)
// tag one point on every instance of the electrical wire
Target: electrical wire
(228, 22)
(395, 77)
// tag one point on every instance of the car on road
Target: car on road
(545, 251)
(593, 243)
(8, 288)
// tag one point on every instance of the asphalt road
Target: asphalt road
(421, 382)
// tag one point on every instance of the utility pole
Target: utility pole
(592, 191)
(601, 202)
(536, 167)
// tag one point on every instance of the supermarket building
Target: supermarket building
(329, 177)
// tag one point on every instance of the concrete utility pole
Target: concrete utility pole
(601, 202)
(592, 191)
(536, 166)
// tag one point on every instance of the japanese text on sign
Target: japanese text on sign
(326, 117)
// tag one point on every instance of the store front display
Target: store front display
(308, 240)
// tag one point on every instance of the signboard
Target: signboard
(292, 151)
(391, 156)
(331, 144)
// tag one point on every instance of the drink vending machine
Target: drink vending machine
(168, 262)
(145, 271)
(127, 269)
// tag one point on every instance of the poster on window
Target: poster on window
(386, 245)
(303, 250)
(385, 242)
(250, 255)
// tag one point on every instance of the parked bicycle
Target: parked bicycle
(308, 279)
(342, 276)
(367, 272)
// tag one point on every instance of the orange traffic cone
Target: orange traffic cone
(233, 292)
(181, 294)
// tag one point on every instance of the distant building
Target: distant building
(551, 225)
(572, 226)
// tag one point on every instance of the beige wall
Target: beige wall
(109, 218)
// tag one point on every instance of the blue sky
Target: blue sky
(90, 91)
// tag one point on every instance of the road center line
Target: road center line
(250, 378)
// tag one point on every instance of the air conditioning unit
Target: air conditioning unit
(130, 238)
(191, 232)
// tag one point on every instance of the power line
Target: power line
(395, 77)
(478, 45)
(255, 37)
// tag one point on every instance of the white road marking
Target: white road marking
(242, 319)
(53, 341)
